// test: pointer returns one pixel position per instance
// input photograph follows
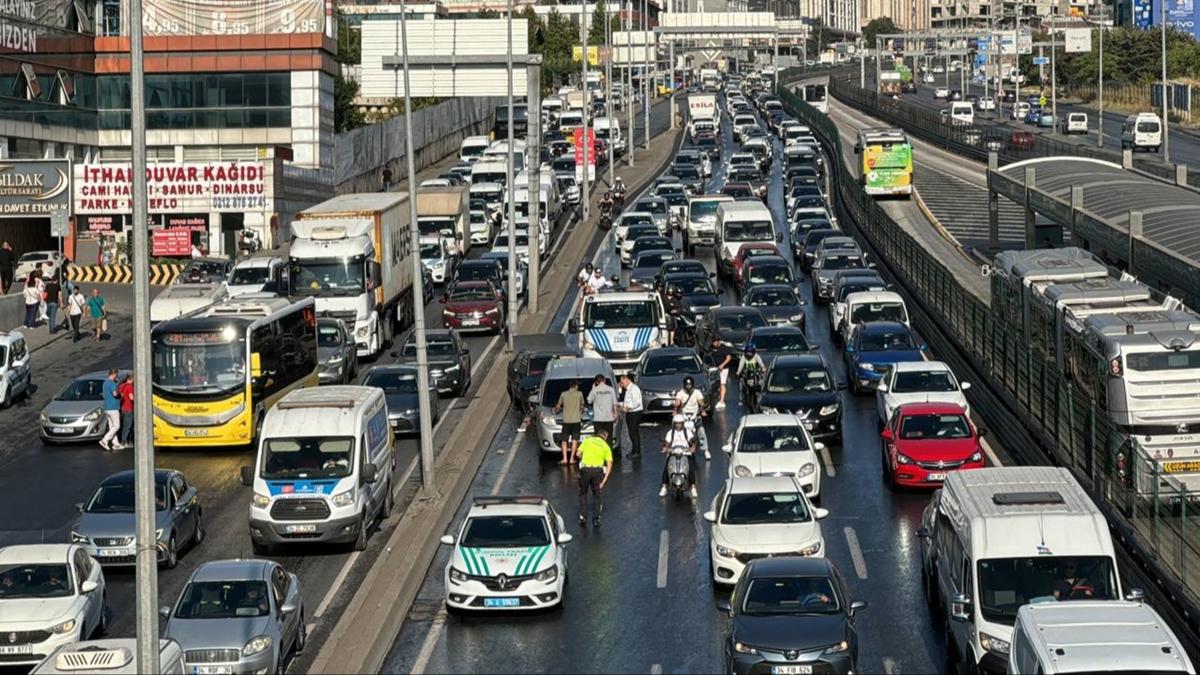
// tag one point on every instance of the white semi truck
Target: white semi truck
(444, 211)
(353, 253)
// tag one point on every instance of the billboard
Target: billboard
(1078, 40)
(1143, 14)
(230, 17)
(1180, 15)
(174, 187)
(596, 55)
(35, 187)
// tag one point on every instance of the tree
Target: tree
(596, 23)
(879, 26)
(349, 45)
(346, 114)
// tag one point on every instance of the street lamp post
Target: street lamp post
(1100, 87)
(584, 183)
(510, 189)
(1166, 108)
(631, 143)
(647, 78)
(608, 111)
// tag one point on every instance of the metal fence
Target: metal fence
(1074, 430)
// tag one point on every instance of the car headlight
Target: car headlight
(993, 644)
(768, 410)
(361, 332)
(812, 549)
(829, 409)
(494, 310)
(446, 312)
(69, 625)
(837, 648)
(458, 575)
(903, 459)
(77, 538)
(742, 471)
(93, 416)
(257, 645)
(451, 369)
(978, 456)
(796, 317)
(726, 552)
(744, 648)
(866, 367)
(261, 500)
(335, 359)
(807, 469)
(344, 498)
(824, 280)
(548, 574)
(437, 265)
(43, 419)
(549, 420)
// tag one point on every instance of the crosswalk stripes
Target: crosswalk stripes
(160, 275)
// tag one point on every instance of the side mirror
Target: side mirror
(778, 237)
(923, 347)
(247, 476)
(287, 608)
(88, 586)
(728, 447)
(923, 532)
(887, 435)
(818, 445)
(820, 513)
(850, 349)
(448, 539)
(369, 474)
(164, 611)
(960, 607)
(395, 354)
(466, 351)
(724, 606)
(857, 606)
(881, 387)
(710, 516)
(964, 386)
(79, 507)
(566, 538)
(1135, 595)
(573, 326)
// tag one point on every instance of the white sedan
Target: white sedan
(941, 93)
(50, 595)
(775, 445)
(918, 382)
(757, 517)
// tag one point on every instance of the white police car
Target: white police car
(509, 554)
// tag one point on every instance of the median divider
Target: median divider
(368, 626)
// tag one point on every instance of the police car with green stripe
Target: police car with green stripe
(509, 554)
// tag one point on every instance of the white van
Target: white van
(621, 326)
(490, 171)
(741, 222)
(257, 275)
(552, 106)
(609, 130)
(962, 112)
(701, 226)
(859, 308)
(178, 299)
(1086, 636)
(1142, 131)
(568, 120)
(324, 468)
(998, 538)
(472, 148)
(551, 196)
(498, 152)
(109, 657)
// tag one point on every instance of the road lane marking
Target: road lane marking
(827, 459)
(889, 666)
(336, 585)
(656, 669)
(431, 639)
(860, 563)
(512, 454)
(664, 552)
(991, 454)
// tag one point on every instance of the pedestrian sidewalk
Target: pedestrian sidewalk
(118, 301)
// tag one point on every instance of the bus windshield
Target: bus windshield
(202, 362)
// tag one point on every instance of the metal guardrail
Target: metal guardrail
(1028, 401)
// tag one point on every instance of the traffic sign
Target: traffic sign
(59, 224)
(1041, 60)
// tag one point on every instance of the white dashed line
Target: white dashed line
(512, 454)
(664, 544)
(656, 669)
(827, 460)
(337, 584)
(889, 666)
(431, 640)
(860, 563)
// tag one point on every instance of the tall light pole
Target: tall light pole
(146, 558)
(1100, 85)
(647, 78)
(627, 24)
(510, 189)
(608, 111)
(587, 107)
(1166, 108)
(426, 436)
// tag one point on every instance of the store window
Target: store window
(110, 15)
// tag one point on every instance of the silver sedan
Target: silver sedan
(77, 412)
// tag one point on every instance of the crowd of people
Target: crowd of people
(47, 291)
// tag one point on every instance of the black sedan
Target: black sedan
(660, 374)
(525, 370)
(804, 384)
(779, 303)
(399, 385)
(807, 252)
(449, 360)
(764, 269)
(696, 291)
(644, 270)
(771, 342)
(729, 325)
(791, 615)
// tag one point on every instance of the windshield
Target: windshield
(848, 288)
(223, 600)
(644, 221)
(798, 380)
(923, 380)
(651, 259)
(471, 150)
(502, 240)
(676, 199)
(199, 362)
(652, 206)
(203, 270)
(250, 276)
(431, 250)
(934, 427)
(688, 172)
(772, 439)
(878, 311)
(328, 335)
(739, 321)
(771, 274)
(885, 341)
(432, 348)
(505, 532)
(745, 174)
(34, 581)
(393, 381)
(83, 390)
(476, 272)
(117, 497)
(780, 342)
(809, 202)
(620, 314)
(1005, 584)
(671, 364)
(461, 293)
(737, 191)
(814, 238)
(1148, 127)
(704, 208)
(307, 457)
(36, 256)
(770, 297)
(749, 230)
(1163, 361)
(791, 595)
(691, 286)
(841, 262)
(327, 277)
(765, 507)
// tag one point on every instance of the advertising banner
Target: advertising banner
(1143, 14)
(20, 22)
(591, 153)
(596, 55)
(34, 187)
(230, 17)
(1180, 15)
(174, 187)
(173, 241)
(887, 167)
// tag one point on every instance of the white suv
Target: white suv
(1076, 123)
(510, 553)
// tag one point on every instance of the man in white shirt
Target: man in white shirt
(598, 281)
(689, 402)
(632, 405)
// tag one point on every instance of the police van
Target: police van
(998, 538)
(621, 326)
(324, 468)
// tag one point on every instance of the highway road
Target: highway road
(39, 484)
(640, 599)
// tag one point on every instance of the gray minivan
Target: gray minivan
(557, 379)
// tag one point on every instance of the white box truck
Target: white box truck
(353, 253)
(445, 211)
(702, 107)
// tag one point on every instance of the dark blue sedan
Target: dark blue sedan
(872, 350)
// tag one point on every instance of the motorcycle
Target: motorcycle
(677, 472)
(606, 220)
(685, 329)
(249, 244)
(618, 201)
(696, 423)
(749, 388)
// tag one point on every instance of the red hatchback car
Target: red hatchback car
(924, 441)
(752, 249)
(473, 306)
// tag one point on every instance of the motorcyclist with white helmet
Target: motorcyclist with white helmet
(679, 437)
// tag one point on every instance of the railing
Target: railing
(1045, 408)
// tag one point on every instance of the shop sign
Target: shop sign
(174, 187)
(101, 222)
(37, 187)
(172, 241)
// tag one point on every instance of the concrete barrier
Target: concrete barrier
(12, 311)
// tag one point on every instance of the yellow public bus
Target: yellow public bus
(885, 162)
(216, 371)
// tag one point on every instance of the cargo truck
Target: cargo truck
(445, 211)
(702, 107)
(353, 253)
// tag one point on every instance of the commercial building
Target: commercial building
(239, 101)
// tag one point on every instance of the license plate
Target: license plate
(809, 425)
(501, 602)
(61, 430)
(211, 670)
(18, 649)
(940, 475)
(111, 553)
(195, 432)
(665, 403)
(470, 322)
(804, 669)
(300, 529)
(1187, 466)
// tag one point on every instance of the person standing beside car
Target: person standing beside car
(112, 413)
(570, 404)
(632, 405)
(125, 393)
(603, 400)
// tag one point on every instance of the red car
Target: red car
(924, 441)
(473, 306)
(752, 249)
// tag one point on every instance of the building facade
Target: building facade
(239, 114)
